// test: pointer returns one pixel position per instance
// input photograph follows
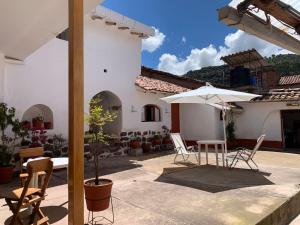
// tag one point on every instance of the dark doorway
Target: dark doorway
(291, 128)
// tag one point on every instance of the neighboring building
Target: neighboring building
(276, 113)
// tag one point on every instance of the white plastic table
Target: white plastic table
(215, 143)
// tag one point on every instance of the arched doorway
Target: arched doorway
(110, 101)
(39, 111)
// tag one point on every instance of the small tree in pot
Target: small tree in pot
(98, 191)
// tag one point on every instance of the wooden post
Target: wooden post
(76, 114)
(175, 118)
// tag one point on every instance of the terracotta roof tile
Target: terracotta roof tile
(280, 95)
(287, 80)
(151, 84)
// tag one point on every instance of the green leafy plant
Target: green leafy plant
(7, 143)
(230, 128)
(97, 119)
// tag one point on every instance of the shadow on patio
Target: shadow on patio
(55, 213)
(211, 179)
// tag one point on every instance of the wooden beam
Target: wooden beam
(249, 24)
(76, 114)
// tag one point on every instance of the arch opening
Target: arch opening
(112, 102)
(38, 116)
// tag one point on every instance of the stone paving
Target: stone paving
(152, 189)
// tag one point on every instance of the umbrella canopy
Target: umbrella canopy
(210, 95)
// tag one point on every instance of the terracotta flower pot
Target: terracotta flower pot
(37, 123)
(135, 144)
(6, 174)
(146, 147)
(47, 125)
(97, 197)
(156, 141)
(26, 125)
(167, 141)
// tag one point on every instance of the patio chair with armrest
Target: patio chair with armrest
(181, 148)
(28, 153)
(26, 196)
(245, 155)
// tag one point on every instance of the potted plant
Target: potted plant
(166, 139)
(135, 140)
(98, 191)
(38, 138)
(38, 122)
(7, 144)
(26, 124)
(6, 168)
(146, 142)
(157, 139)
(230, 132)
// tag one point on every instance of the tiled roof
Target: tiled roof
(288, 80)
(280, 95)
(150, 84)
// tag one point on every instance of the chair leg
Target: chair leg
(249, 165)
(15, 210)
(197, 158)
(175, 157)
(187, 157)
(257, 169)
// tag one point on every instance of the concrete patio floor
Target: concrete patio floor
(152, 190)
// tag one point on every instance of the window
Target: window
(151, 113)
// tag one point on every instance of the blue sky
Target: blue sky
(193, 36)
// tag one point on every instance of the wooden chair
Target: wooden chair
(30, 196)
(25, 154)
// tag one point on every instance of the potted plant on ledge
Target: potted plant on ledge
(98, 190)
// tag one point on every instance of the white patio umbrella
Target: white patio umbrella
(212, 96)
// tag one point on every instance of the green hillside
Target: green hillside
(285, 64)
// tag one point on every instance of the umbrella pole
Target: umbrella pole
(224, 129)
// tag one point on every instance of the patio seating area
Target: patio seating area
(151, 189)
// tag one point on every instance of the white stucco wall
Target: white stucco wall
(200, 122)
(259, 118)
(43, 78)
(2, 77)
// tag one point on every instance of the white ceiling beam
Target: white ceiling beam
(251, 25)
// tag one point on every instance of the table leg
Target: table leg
(223, 158)
(199, 154)
(217, 158)
(206, 150)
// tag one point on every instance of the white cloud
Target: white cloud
(152, 43)
(183, 39)
(210, 56)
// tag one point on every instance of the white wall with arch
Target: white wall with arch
(112, 63)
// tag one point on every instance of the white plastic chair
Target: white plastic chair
(245, 155)
(181, 148)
